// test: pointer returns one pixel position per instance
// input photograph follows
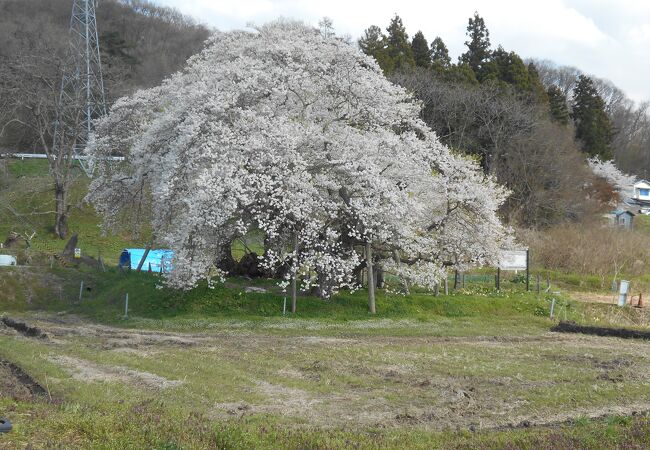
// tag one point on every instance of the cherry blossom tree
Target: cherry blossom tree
(296, 133)
(623, 183)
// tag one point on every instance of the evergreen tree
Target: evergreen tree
(478, 45)
(593, 127)
(557, 103)
(421, 51)
(399, 47)
(460, 73)
(113, 45)
(373, 43)
(536, 86)
(508, 68)
(440, 59)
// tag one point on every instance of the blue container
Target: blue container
(160, 261)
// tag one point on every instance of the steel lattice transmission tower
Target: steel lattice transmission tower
(81, 98)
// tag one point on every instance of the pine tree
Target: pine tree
(593, 127)
(421, 51)
(478, 45)
(374, 43)
(508, 68)
(399, 47)
(536, 87)
(557, 104)
(440, 59)
(113, 45)
(460, 73)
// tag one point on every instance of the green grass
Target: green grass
(149, 423)
(332, 376)
(150, 303)
(246, 386)
(28, 168)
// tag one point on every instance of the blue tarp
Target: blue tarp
(158, 259)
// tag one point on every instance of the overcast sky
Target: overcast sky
(607, 38)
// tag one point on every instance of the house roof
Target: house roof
(642, 184)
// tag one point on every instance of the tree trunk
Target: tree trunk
(61, 211)
(225, 261)
(371, 279)
(358, 274)
(379, 277)
(398, 261)
(294, 275)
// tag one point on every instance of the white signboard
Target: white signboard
(622, 293)
(513, 260)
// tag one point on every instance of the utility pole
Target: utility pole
(81, 98)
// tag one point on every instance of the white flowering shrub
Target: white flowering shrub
(295, 133)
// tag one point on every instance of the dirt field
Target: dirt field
(433, 383)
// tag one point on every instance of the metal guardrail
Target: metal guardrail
(44, 156)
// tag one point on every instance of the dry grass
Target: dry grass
(598, 250)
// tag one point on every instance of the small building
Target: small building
(621, 218)
(641, 191)
(160, 261)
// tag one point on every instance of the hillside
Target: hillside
(141, 43)
(26, 205)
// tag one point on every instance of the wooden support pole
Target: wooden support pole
(552, 309)
(371, 279)
(527, 270)
(144, 257)
(294, 276)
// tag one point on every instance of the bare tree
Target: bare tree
(563, 77)
(479, 120)
(29, 85)
(536, 159)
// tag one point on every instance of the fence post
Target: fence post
(537, 284)
(527, 270)
(81, 290)
(498, 279)
(446, 286)
(436, 289)
(552, 307)
(126, 306)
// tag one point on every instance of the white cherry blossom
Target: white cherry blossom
(298, 134)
